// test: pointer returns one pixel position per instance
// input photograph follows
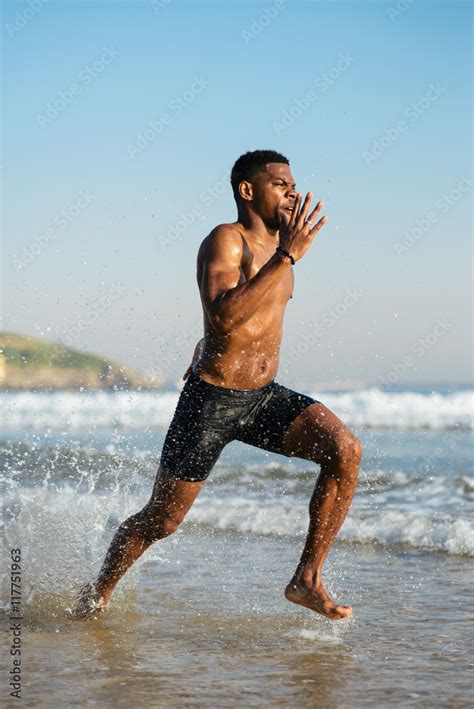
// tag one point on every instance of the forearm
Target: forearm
(238, 304)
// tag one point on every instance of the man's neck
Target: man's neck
(259, 232)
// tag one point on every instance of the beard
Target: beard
(276, 220)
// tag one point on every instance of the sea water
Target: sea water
(201, 618)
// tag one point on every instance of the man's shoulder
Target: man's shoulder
(223, 237)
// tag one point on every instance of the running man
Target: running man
(245, 278)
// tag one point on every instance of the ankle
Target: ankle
(308, 575)
(102, 591)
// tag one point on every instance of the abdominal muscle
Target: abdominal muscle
(239, 360)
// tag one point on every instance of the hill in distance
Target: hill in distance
(29, 363)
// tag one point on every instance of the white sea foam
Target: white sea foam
(321, 636)
(420, 528)
(431, 510)
(67, 515)
(69, 411)
(63, 534)
(375, 408)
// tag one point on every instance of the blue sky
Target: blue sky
(122, 120)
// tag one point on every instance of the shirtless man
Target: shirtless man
(245, 277)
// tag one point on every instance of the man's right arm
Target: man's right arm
(227, 302)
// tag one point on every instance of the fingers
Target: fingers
(318, 226)
(299, 214)
(294, 213)
(315, 211)
(304, 210)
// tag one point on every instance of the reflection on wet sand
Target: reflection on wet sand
(207, 624)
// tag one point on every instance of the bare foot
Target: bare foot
(89, 602)
(316, 599)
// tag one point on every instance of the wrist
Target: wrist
(283, 253)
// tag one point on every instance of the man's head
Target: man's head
(262, 181)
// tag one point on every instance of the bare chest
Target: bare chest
(255, 260)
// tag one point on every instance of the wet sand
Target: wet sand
(202, 621)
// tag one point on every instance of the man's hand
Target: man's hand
(297, 232)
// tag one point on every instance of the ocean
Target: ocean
(201, 619)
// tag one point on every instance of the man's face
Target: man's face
(273, 192)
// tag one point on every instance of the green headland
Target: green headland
(30, 363)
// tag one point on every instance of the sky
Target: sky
(121, 122)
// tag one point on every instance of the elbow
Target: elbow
(221, 324)
(220, 320)
(223, 316)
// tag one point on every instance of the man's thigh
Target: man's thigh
(295, 425)
(317, 434)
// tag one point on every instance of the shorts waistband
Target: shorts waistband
(242, 393)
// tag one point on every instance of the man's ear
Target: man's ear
(245, 190)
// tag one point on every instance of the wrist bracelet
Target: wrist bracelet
(282, 251)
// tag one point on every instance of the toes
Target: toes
(336, 612)
(344, 611)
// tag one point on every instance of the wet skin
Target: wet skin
(245, 286)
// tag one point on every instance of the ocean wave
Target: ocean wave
(419, 528)
(373, 408)
(405, 506)
(78, 521)
(87, 469)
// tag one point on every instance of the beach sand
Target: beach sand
(203, 622)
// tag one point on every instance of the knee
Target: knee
(167, 526)
(347, 451)
(152, 527)
(355, 449)
(161, 528)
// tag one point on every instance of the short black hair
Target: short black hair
(250, 164)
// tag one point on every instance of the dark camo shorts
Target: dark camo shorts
(208, 417)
